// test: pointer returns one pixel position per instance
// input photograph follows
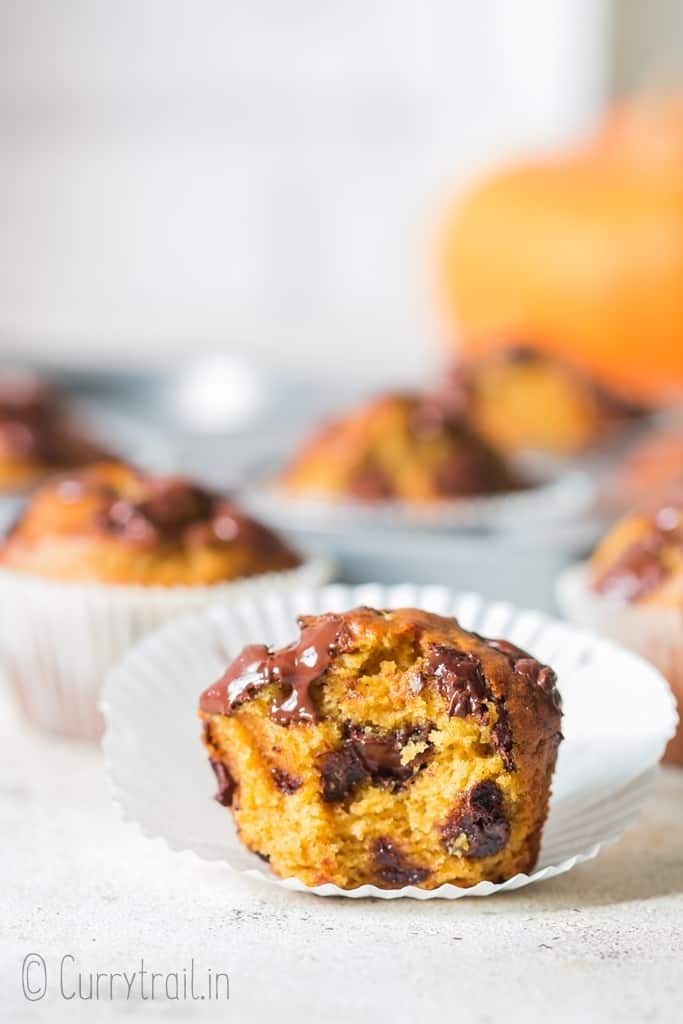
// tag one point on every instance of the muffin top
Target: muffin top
(366, 666)
(37, 434)
(399, 446)
(520, 398)
(112, 523)
(641, 559)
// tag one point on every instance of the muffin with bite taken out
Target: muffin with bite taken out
(386, 747)
(99, 557)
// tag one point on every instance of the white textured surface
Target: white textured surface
(606, 764)
(602, 944)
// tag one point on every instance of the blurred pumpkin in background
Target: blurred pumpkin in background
(580, 254)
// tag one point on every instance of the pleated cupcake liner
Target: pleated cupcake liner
(59, 639)
(606, 767)
(653, 632)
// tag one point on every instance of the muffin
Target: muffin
(407, 447)
(632, 590)
(101, 556)
(652, 468)
(114, 524)
(520, 399)
(37, 435)
(386, 747)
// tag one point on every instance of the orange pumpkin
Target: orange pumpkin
(580, 254)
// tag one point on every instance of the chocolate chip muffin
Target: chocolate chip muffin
(114, 524)
(520, 399)
(640, 561)
(102, 556)
(386, 747)
(38, 436)
(632, 591)
(407, 447)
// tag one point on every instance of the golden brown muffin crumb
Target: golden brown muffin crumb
(386, 747)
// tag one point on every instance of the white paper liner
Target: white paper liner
(59, 639)
(653, 632)
(158, 769)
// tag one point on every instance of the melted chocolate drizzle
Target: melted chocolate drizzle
(295, 667)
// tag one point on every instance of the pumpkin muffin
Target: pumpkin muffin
(114, 524)
(404, 447)
(632, 590)
(386, 747)
(37, 435)
(640, 561)
(102, 556)
(520, 399)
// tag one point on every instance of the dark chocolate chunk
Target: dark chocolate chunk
(295, 667)
(536, 673)
(393, 868)
(226, 783)
(481, 819)
(285, 782)
(340, 771)
(501, 737)
(461, 681)
(381, 753)
(369, 754)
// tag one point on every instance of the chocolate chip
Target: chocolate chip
(529, 668)
(392, 867)
(381, 753)
(285, 782)
(340, 771)
(501, 737)
(461, 681)
(226, 783)
(481, 820)
(368, 754)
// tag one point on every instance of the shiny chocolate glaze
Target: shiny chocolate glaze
(295, 668)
